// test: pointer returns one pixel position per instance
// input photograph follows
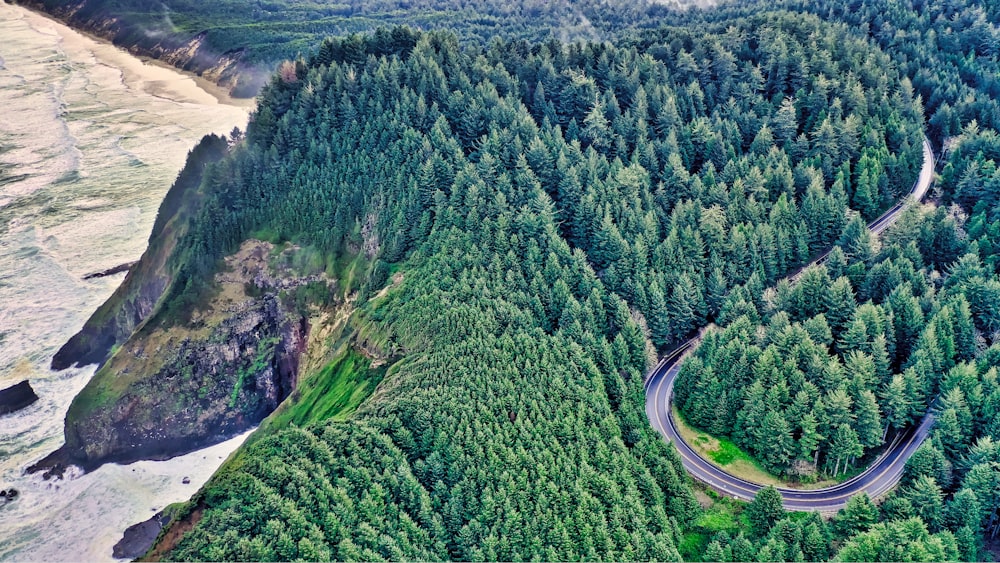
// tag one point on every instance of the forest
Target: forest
(274, 30)
(538, 215)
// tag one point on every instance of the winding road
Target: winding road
(880, 477)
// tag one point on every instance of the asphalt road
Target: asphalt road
(879, 478)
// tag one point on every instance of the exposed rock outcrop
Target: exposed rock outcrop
(110, 271)
(119, 316)
(17, 397)
(171, 390)
(138, 295)
(138, 538)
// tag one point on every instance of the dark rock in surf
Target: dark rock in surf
(110, 271)
(17, 397)
(138, 538)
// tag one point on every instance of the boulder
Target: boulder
(17, 397)
(138, 538)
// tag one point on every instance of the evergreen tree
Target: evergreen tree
(926, 499)
(715, 552)
(765, 510)
(844, 447)
(810, 438)
(858, 516)
(869, 422)
(856, 240)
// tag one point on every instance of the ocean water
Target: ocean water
(90, 140)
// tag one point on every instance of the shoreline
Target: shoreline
(211, 88)
(100, 134)
(151, 76)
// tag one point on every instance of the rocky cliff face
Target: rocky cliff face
(186, 52)
(168, 391)
(119, 316)
(147, 280)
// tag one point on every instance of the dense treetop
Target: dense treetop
(278, 29)
(549, 206)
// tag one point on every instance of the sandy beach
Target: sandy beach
(149, 75)
(91, 138)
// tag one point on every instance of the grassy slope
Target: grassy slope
(332, 394)
(728, 456)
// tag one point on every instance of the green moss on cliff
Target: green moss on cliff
(333, 393)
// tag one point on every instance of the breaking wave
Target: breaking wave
(90, 142)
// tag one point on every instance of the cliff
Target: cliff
(136, 298)
(186, 51)
(172, 383)
(173, 389)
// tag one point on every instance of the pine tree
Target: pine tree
(899, 404)
(856, 240)
(743, 549)
(837, 409)
(596, 129)
(927, 461)
(715, 291)
(836, 261)
(908, 319)
(722, 424)
(926, 498)
(749, 418)
(844, 447)
(968, 543)
(841, 306)
(869, 422)
(880, 356)
(686, 306)
(954, 399)
(855, 338)
(658, 318)
(963, 510)
(779, 449)
(819, 330)
(858, 516)
(866, 191)
(948, 431)
(815, 544)
(812, 293)
(714, 552)
(786, 122)
(765, 510)
(810, 438)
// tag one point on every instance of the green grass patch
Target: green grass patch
(717, 519)
(265, 351)
(728, 452)
(334, 392)
(724, 515)
(726, 455)
(268, 234)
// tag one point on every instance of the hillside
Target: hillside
(554, 201)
